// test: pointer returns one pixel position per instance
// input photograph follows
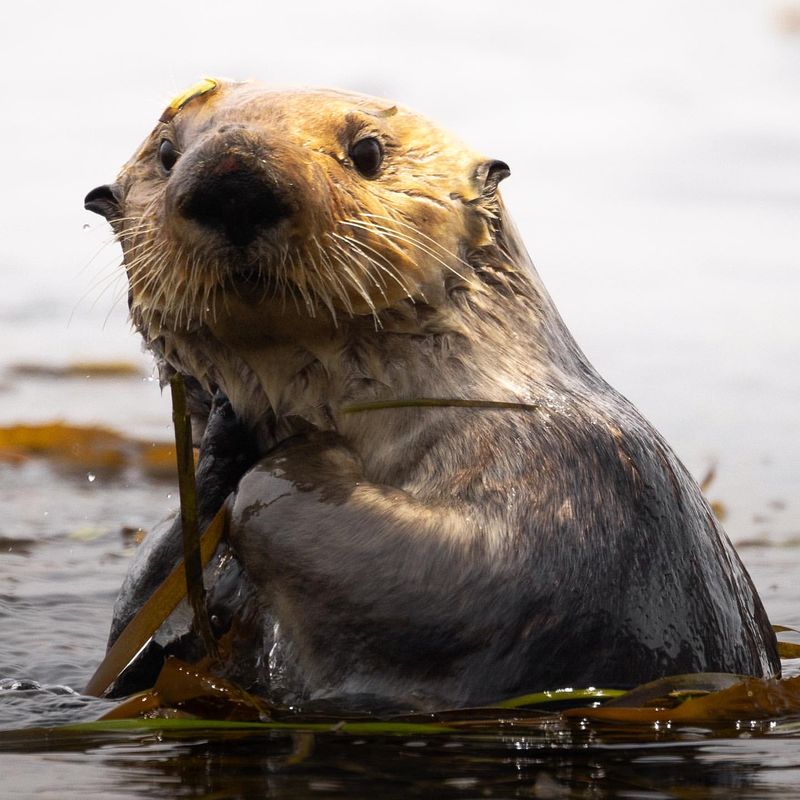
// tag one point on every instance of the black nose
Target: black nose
(238, 203)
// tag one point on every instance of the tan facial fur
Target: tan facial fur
(353, 254)
(353, 245)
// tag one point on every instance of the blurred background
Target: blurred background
(655, 156)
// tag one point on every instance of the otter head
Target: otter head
(307, 203)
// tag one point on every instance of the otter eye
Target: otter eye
(167, 154)
(367, 156)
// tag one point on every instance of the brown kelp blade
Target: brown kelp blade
(189, 526)
(788, 650)
(745, 698)
(188, 688)
(153, 613)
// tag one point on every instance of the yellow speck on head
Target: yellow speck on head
(204, 86)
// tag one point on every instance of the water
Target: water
(656, 179)
(546, 765)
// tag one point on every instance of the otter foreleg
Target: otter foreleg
(226, 451)
(375, 592)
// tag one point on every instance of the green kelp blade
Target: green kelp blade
(559, 696)
(439, 402)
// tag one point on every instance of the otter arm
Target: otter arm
(366, 578)
(225, 453)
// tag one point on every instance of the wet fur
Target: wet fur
(423, 556)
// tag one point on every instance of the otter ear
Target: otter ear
(104, 200)
(490, 173)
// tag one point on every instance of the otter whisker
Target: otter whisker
(386, 267)
(344, 261)
(332, 274)
(101, 285)
(180, 288)
(371, 269)
(345, 264)
(354, 250)
(388, 233)
(110, 265)
(282, 285)
(291, 263)
(104, 278)
(139, 255)
(124, 230)
(114, 302)
(108, 269)
(401, 236)
(199, 287)
(302, 287)
(106, 243)
(139, 231)
(149, 275)
(422, 234)
(316, 275)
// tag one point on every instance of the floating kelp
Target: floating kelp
(77, 369)
(746, 699)
(188, 700)
(86, 448)
(190, 691)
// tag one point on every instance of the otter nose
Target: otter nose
(235, 200)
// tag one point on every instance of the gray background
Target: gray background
(655, 155)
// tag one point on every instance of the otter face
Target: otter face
(311, 200)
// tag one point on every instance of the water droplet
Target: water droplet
(91, 476)
(87, 226)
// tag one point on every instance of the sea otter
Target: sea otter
(438, 501)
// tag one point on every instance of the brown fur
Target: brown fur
(421, 555)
